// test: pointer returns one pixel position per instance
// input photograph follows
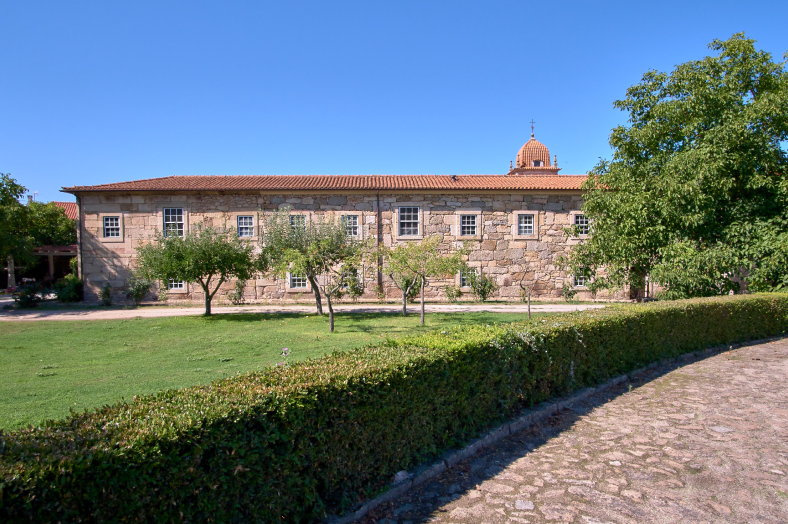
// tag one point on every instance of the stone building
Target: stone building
(512, 224)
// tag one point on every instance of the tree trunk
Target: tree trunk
(11, 272)
(316, 291)
(405, 302)
(422, 301)
(330, 314)
(208, 297)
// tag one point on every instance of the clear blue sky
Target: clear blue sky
(96, 92)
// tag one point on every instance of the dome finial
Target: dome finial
(532, 127)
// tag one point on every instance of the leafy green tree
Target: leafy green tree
(205, 255)
(319, 249)
(48, 225)
(422, 260)
(696, 194)
(25, 227)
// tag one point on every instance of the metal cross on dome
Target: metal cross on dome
(532, 126)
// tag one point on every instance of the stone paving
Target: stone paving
(706, 442)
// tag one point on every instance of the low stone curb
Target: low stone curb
(527, 418)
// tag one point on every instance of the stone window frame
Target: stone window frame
(175, 291)
(111, 240)
(359, 216)
(456, 225)
(514, 222)
(572, 215)
(290, 289)
(424, 216)
(476, 266)
(305, 212)
(160, 206)
(256, 219)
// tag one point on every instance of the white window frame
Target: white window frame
(343, 218)
(101, 230)
(572, 220)
(468, 218)
(407, 211)
(253, 225)
(459, 278)
(289, 284)
(177, 287)
(580, 281)
(182, 221)
(293, 215)
(515, 222)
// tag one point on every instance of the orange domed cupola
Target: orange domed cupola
(533, 154)
(534, 159)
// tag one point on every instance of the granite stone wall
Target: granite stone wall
(496, 249)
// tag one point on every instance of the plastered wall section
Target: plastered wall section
(497, 248)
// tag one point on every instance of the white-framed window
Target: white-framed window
(112, 227)
(298, 222)
(525, 224)
(581, 281)
(351, 225)
(409, 221)
(581, 222)
(468, 225)
(245, 225)
(173, 221)
(465, 277)
(537, 163)
(175, 285)
(298, 281)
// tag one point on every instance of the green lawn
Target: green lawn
(49, 367)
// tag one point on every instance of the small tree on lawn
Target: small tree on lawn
(206, 256)
(319, 249)
(421, 260)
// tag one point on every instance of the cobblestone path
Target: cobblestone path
(706, 442)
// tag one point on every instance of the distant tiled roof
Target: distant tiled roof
(69, 207)
(341, 182)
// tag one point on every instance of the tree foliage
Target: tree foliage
(696, 194)
(25, 227)
(318, 249)
(205, 256)
(417, 262)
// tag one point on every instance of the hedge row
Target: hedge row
(293, 442)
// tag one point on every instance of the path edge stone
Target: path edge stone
(525, 419)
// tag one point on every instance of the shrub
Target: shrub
(568, 292)
(453, 293)
(137, 288)
(481, 285)
(236, 296)
(29, 297)
(106, 294)
(68, 288)
(290, 443)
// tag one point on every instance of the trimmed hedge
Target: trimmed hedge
(292, 442)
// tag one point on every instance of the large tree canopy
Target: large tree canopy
(204, 255)
(319, 249)
(696, 194)
(25, 227)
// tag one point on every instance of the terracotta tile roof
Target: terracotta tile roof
(69, 207)
(341, 182)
